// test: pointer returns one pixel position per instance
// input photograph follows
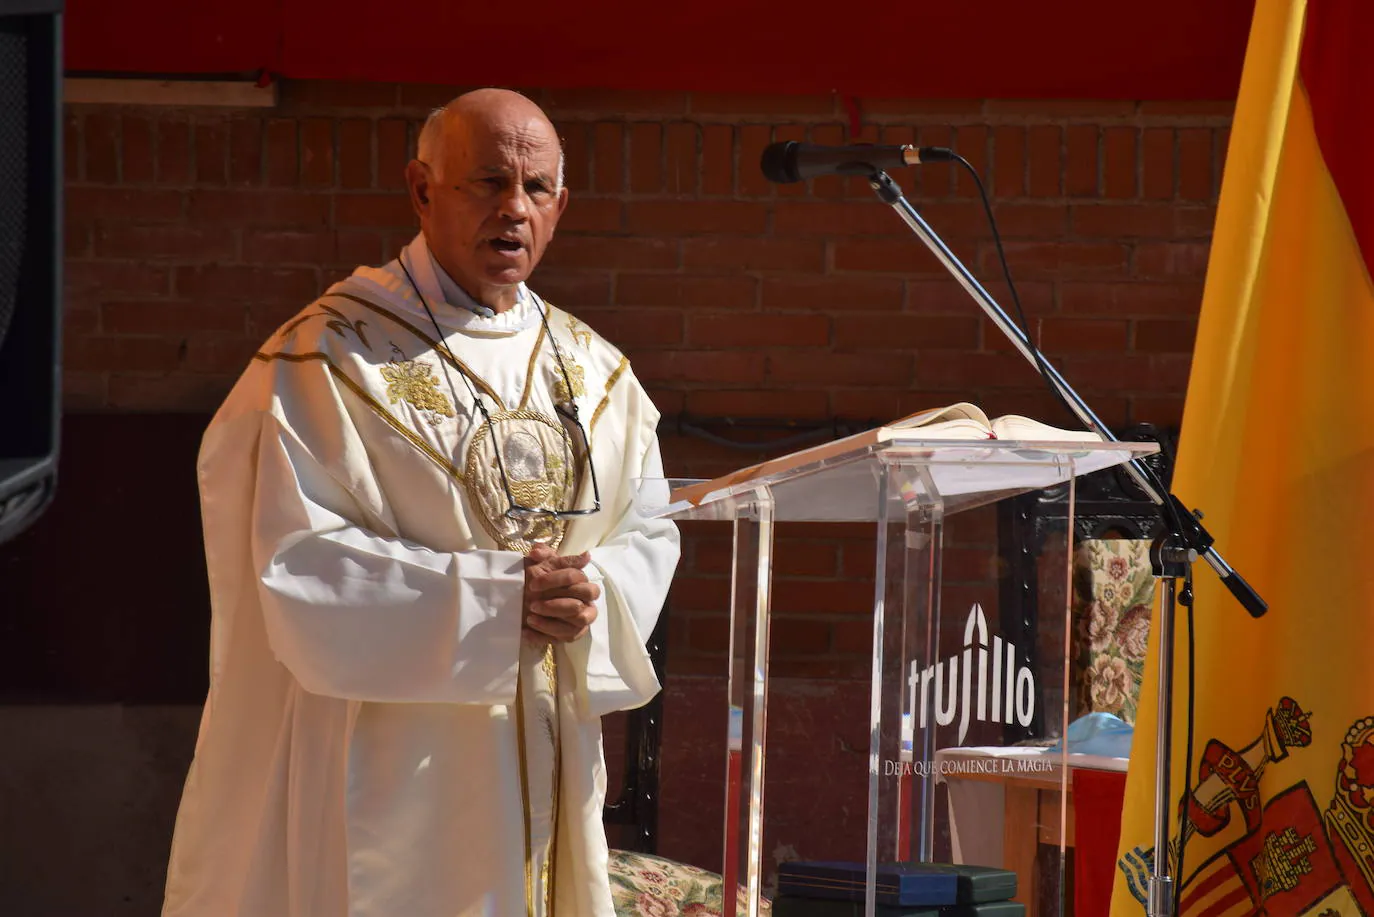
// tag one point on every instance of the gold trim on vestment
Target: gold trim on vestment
(611, 380)
(380, 409)
(524, 786)
(557, 813)
(557, 494)
(529, 373)
(443, 351)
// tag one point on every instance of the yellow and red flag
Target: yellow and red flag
(1277, 447)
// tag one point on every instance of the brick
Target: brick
(285, 246)
(218, 353)
(265, 318)
(1171, 259)
(1131, 298)
(358, 246)
(136, 156)
(373, 210)
(1161, 410)
(77, 238)
(283, 153)
(1195, 164)
(608, 158)
(839, 369)
(210, 139)
(630, 329)
(870, 406)
(317, 152)
(1062, 108)
(859, 294)
(717, 159)
(1009, 161)
(791, 636)
(771, 106)
(109, 204)
(906, 256)
(592, 214)
(355, 153)
(806, 558)
(646, 158)
(680, 158)
(1119, 164)
(832, 218)
(1025, 221)
(1057, 334)
(226, 282)
(945, 369)
(179, 392)
(695, 217)
(577, 156)
(753, 140)
(574, 290)
(260, 208)
(710, 366)
(173, 150)
(583, 251)
(905, 332)
(1129, 372)
(1081, 160)
(393, 152)
(916, 109)
(1044, 148)
(1157, 163)
(163, 317)
(114, 354)
(1124, 221)
(101, 136)
(426, 97)
(1194, 222)
(971, 142)
(686, 291)
(825, 597)
(597, 102)
(154, 242)
(245, 151)
(778, 329)
(799, 255)
(1058, 258)
(946, 297)
(1164, 336)
(797, 404)
(711, 634)
(316, 94)
(80, 316)
(114, 279)
(72, 162)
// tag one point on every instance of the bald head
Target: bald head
(487, 184)
(482, 111)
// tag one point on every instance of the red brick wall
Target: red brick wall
(192, 233)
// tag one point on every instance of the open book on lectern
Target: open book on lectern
(956, 422)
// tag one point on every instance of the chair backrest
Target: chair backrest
(635, 805)
(1108, 505)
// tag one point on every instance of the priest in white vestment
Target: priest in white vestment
(429, 580)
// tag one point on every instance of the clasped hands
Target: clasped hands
(559, 602)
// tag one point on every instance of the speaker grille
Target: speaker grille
(14, 168)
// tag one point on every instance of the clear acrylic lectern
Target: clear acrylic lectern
(964, 760)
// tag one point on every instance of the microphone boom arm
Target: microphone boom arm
(1193, 536)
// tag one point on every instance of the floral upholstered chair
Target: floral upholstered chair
(644, 885)
(1113, 600)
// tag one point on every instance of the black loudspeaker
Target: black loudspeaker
(31, 250)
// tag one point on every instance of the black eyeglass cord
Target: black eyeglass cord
(572, 411)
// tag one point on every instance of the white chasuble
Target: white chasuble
(378, 739)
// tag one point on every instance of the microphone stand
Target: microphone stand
(1172, 553)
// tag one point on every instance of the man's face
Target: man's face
(490, 210)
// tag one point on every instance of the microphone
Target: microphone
(789, 161)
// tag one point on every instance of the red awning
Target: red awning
(1087, 49)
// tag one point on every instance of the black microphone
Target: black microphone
(789, 161)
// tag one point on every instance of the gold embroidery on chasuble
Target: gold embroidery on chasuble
(540, 462)
(414, 382)
(579, 332)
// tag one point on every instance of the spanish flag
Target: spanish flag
(1277, 448)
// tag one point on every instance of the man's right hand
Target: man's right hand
(560, 602)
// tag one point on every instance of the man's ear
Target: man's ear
(418, 181)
